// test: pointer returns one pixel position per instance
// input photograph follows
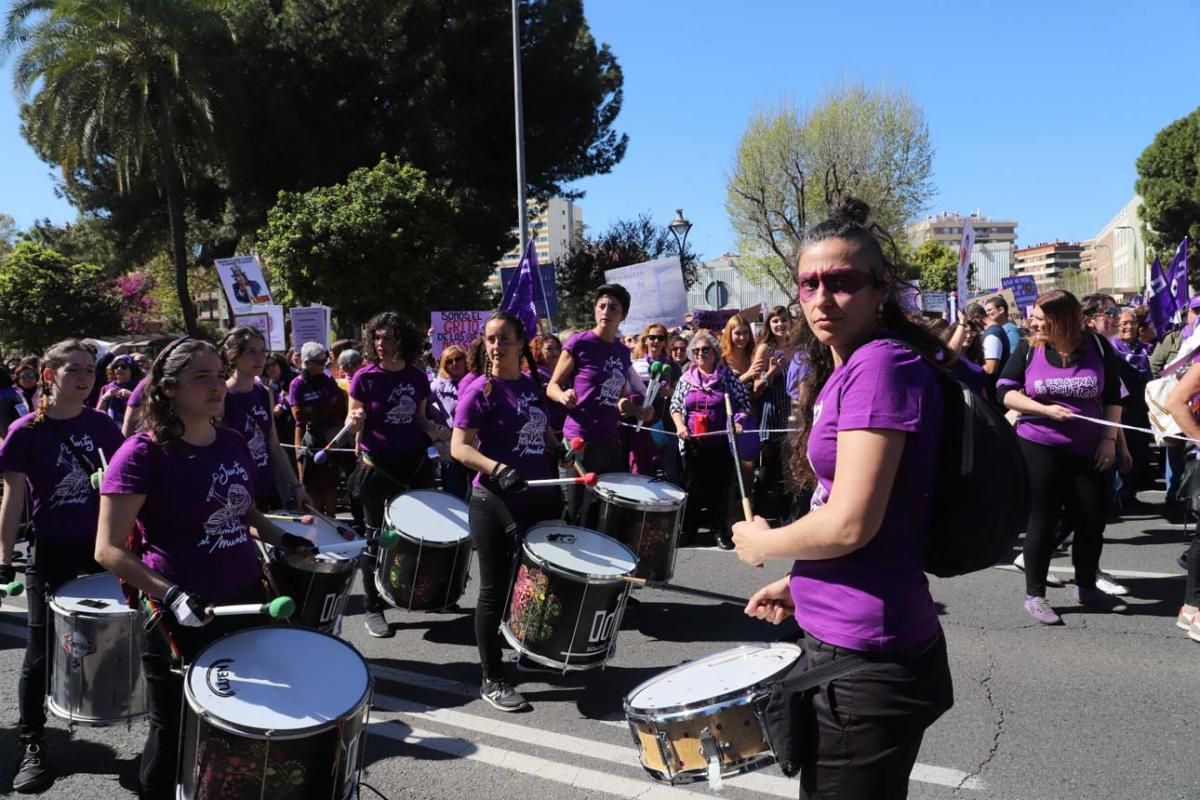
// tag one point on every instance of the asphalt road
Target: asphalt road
(1104, 706)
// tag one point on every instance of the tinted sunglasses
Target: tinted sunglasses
(844, 282)
(654, 337)
(701, 351)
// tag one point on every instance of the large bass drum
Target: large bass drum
(644, 513)
(428, 566)
(96, 677)
(703, 720)
(276, 713)
(568, 596)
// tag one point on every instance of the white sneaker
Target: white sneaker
(1019, 562)
(1106, 583)
(1186, 618)
(1051, 578)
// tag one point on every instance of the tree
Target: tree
(1169, 183)
(127, 81)
(935, 265)
(387, 238)
(45, 298)
(792, 165)
(8, 235)
(626, 242)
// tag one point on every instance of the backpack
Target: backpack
(981, 501)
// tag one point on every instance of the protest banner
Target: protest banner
(309, 324)
(259, 320)
(268, 320)
(455, 327)
(1024, 290)
(711, 320)
(656, 293)
(935, 302)
(243, 282)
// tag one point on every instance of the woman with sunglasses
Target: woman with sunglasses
(318, 406)
(698, 407)
(51, 456)
(871, 446)
(114, 395)
(677, 350)
(452, 368)
(646, 449)
(27, 379)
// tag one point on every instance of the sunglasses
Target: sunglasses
(654, 337)
(701, 351)
(843, 282)
(1108, 312)
(26, 375)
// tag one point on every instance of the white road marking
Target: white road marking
(1116, 573)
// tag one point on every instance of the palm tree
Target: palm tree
(127, 83)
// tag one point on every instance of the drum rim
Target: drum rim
(684, 711)
(567, 572)
(389, 525)
(319, 566)
(609, 496)
(546, 661)
(53, 604)
(262, 734)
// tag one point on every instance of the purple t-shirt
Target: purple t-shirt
(876, 598)
(249, 413)
(135, 398)
(194, 528)
(116, 405)
(556, 413)
(511, 429)
(391, 400)
(599, 382)
(65, 506)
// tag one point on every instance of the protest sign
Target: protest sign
(656, 293)
(310, 324)
(964, 261)
(455, 327)
(1024, 289)
(244, 284)
(268, 320)
(935, 302)
(711, 320)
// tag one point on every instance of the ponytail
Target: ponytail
(54, 358)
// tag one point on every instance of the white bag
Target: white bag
(1159, 389)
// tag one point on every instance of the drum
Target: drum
(428, 566)
(567, 598)
(97, 644)
(644, 513)
(702, 720)
(274, 712)
(320, 586)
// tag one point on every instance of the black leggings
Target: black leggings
(496, 531)
(51, 566)
(708, 478)
(1191, 595)
(1060, 479)
(598, 457)
(375, 487)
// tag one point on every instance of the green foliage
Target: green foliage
(1169, 183)
(44, 298)
(626, 242)
(385, 238)
(8, 235)
(935, 265)
(792, 164)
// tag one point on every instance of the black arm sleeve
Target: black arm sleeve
(1013, 375)
(1111, 396)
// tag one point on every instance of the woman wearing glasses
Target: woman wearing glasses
(452, 368)
(646, 454)
(698, 406)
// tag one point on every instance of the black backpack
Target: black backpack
(981, 503)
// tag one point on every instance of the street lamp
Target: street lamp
(679, 228)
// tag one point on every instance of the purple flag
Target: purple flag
(1162, 302)
(518, 299)
(1177, 276)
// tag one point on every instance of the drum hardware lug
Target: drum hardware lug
(711, 752)
(665, 751)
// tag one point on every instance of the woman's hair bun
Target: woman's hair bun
(852, 209)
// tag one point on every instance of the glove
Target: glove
(8, 573)
(508, 481)
(189, 610)
(297, 545)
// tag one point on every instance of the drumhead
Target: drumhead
(591, 553)
(428, 516)
(640, 490)
(278, 679)
(319, 532)
(719, 675)
(98, 594)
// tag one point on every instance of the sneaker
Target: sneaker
(377, 625)
(1106, 583)
(1092, 597)
(1194, 629)
(503, 697)
(725, 540)
(33, 770)
(1051, 578)
(1019, 562)
(1040, 610)
(1186, 618)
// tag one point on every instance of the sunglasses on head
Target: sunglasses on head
(845, 282)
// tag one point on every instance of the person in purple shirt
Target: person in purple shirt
(602, 387)
(249, 410)
(871, 448)
(51, 456)
(318, 405)
(129, 424)
(1066, 372)
(388, 410)
(501, 433)
(190, 483)
(115, 394)
(444, 389)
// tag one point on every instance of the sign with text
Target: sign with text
(455, 327)
(935, 302)
(310, 324)
(1024, 289)
(269, 321)
(711, 320)
(656, 293)
(244, 284)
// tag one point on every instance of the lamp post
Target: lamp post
(679, 228)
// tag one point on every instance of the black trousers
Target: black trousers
(374, 488)
(866, 729)
(1058, 480)
(709, 480)
(51, 566)
(164, 691)
(496, 531)
(1191, 595)
(597, 457)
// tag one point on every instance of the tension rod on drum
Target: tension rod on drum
(670, 587)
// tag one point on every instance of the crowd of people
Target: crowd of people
(836, 414)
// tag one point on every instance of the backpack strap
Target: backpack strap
(82, 460)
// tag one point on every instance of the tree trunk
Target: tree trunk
(172, 186)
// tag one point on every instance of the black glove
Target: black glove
(8, 573)
(508, 481)
(189, 610)
(297, 545)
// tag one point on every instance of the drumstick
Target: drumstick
(14, 589)
(345, 531)
(574, 447)
(346, 548)
(320, 456)
(588, 479)
(279, 608)
(303, 519)
(655, 380)
(737, 460)
(670, 587)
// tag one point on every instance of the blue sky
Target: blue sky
(1037, 110)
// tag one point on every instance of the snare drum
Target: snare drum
(321, 585)
(703, 719)
(644, 513)
(274, 713)
(98, 643)
(428, 566)
(567, 597)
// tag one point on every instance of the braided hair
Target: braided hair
(54, 358)
(526, 353)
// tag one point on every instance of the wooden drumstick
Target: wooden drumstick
(668, 587)
(737, 460)
(587, 479)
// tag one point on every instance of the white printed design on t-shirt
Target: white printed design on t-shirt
(1081, 386)
(610, 390)
(226, 527)
(404, 407)
(531, 441)
(256, 442)
(75, 488)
